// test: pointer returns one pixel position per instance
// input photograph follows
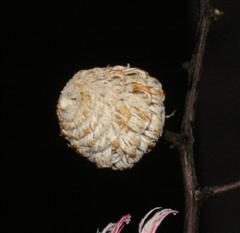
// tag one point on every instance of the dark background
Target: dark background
(48, 188)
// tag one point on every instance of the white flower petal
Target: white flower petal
(116, 227)
(151, 225)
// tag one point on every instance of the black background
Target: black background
(46, 186)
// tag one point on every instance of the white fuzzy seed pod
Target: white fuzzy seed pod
(112, 115)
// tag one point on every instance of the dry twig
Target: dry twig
(194, 194)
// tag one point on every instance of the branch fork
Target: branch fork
(183, 141)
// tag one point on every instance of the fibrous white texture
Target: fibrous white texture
(112, 115)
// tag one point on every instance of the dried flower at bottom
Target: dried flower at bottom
(112, 115)
(149, 224)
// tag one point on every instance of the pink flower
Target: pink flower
(147, 225)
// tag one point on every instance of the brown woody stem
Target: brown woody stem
(184, 140)
(208, 192)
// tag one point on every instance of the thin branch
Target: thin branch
(209, 192)
(185, 139)
(190, 181)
